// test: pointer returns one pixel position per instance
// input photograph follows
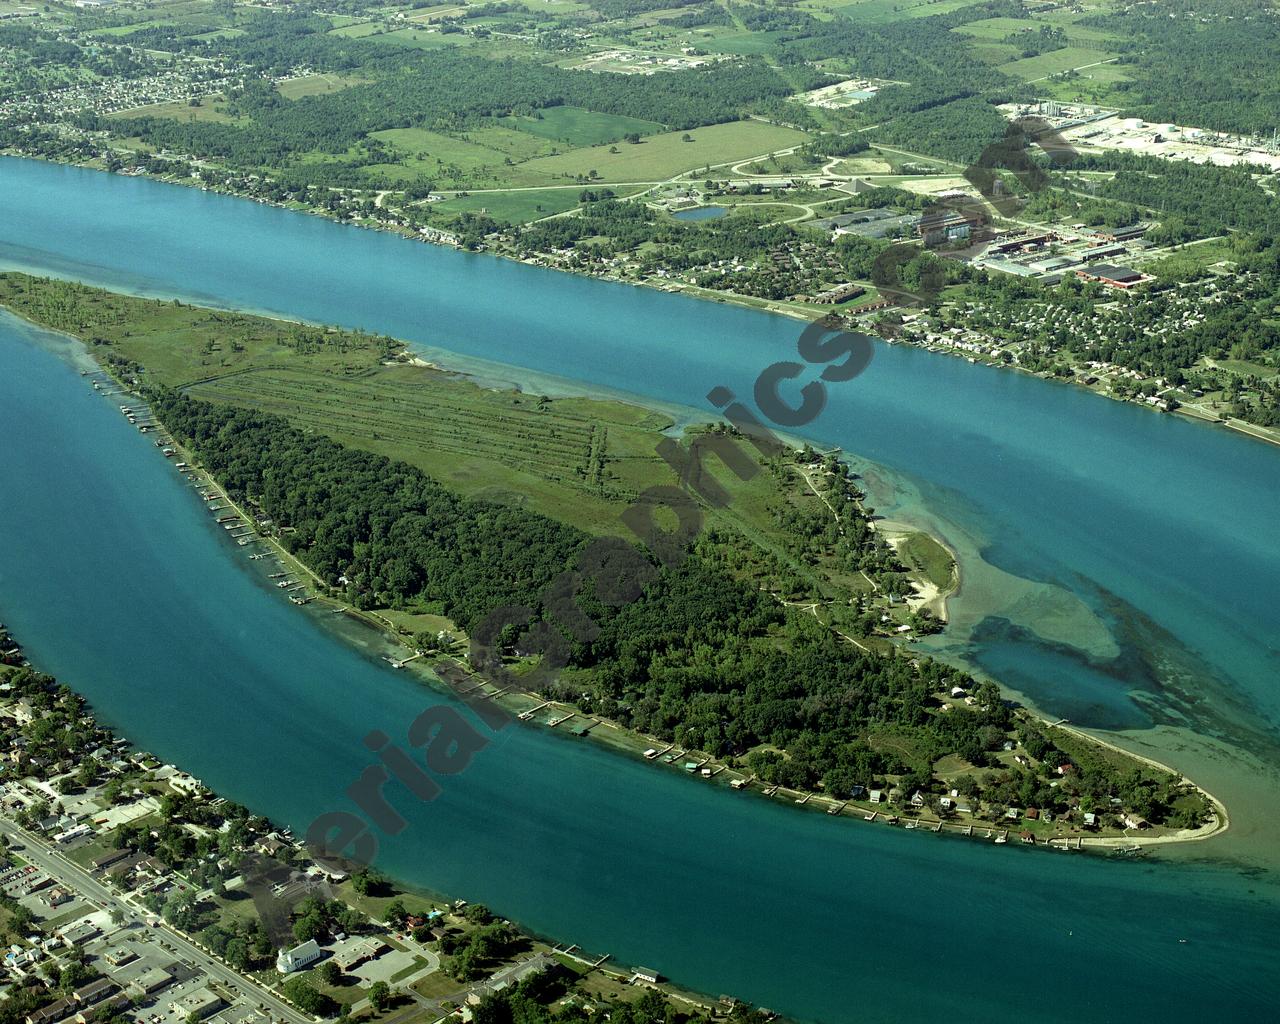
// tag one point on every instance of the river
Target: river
(1120, 571)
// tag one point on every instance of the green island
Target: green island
(772, 655)
(768, 154)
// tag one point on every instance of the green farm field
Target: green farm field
(879, 12)
(578, 127)
(665, 156)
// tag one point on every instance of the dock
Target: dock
(524, 716)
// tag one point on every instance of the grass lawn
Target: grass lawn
(1031, 69)
(579, 127)
(665, 156)
(924, 554)
(421, 622)
(436, 985)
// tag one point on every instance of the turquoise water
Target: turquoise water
(701, 213)
(118, 583)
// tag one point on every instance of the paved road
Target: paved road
(73, 876)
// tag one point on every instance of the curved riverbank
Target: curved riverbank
(795, 311)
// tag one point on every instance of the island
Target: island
(786, 619)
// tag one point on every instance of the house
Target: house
(1033, 814)
(51, 1013)
(876, 796)
(917, 799)
(201, 1003)
(104, 1010)
(511, 975)
(94, 992)
(947, 803)
(647, 974)
(1136, 821)
(270, 845)
(1090, 819)
(1013, 814)
(302, 955)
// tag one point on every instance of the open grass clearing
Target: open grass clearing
(578, 127)
(1031, 69)
(879, 12)
(667, 155)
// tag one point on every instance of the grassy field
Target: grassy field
(574, 459)
(921, 552)
(579, 127)
(665, 156)
(1092, 85)
(475, 157)
(873, 12)
(512, 207)
(1031, 69)
(995, 29)
(315, 85)
(210, 109)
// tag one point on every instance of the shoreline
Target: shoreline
(771, 306)
(616, 970)
(524, 705)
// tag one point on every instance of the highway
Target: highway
(72, 876)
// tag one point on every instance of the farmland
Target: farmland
(665, 156)
(578, 127)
